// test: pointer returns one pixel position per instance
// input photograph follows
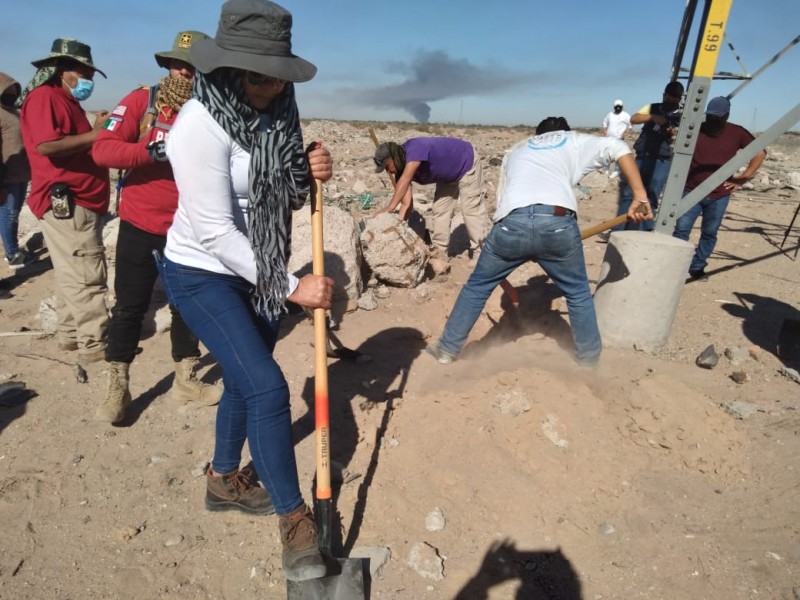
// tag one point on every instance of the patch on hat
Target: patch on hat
(185, 40)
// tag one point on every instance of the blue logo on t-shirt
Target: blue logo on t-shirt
(548, 141)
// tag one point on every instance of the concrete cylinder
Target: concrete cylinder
(639, 288)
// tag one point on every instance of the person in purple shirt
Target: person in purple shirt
(455, 167)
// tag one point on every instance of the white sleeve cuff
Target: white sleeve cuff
(292, 282)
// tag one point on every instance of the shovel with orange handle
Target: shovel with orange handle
(345, 576)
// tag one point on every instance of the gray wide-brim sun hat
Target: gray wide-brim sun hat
(253, 35)
(68, 48)
(180, 48)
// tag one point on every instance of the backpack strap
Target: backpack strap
(151, 114)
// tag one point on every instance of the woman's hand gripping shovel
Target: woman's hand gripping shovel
(345, 576)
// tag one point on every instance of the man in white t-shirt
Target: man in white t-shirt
(617, 124)
(536, 220)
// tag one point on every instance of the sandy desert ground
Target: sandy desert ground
(509, 474)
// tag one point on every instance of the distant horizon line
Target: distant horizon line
(408, 124)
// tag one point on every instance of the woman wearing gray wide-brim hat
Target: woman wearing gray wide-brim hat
(240, 166)
(253, 35)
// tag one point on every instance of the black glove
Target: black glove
(157, 151)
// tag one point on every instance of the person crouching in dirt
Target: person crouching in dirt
(536, 220)
(241, 168)
(133, 139)
(455, 167)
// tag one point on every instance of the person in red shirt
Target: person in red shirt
(69, 191)
(133, 139)
(717, 143)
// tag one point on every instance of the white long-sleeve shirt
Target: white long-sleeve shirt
(543, 169)
(209, 230)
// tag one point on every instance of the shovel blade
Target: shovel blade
(345, 581)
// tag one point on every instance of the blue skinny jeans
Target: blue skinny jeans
(712, 211)
(255, 401)
(9, 217)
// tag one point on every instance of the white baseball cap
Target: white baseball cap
(618, 103)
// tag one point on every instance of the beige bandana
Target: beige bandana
(173, 92)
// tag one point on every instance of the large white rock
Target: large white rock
(342, 253)
(396, 255)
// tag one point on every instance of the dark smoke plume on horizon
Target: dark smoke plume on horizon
(434, 75)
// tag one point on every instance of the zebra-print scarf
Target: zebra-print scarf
(278, 175)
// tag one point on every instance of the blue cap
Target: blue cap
(719, 107)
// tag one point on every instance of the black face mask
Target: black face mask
(617, 110)
(669, 106)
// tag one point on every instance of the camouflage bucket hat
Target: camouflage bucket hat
(180, 48)
(69, 48)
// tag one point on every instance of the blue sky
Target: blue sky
(463, 62)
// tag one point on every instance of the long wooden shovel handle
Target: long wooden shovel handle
(321, 410)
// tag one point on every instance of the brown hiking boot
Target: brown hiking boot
(301, 557)
(188, 388)
(238, 490)
(118, 396)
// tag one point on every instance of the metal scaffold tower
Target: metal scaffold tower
(710, 40)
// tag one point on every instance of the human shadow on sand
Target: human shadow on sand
(352, 386)
(14, 397)
(34, 269)
(141, 402)
(542, 574)
(769, 324)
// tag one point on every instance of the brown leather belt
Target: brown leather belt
(560, 211)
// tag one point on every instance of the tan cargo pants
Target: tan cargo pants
(469, 191)
(79, 265)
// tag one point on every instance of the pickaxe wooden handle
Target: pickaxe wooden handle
(375, 141)
(601, 227)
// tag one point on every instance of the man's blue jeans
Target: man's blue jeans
(713, 211)
(255, 401)
(530, 233)
(9, 217)
(654, 172)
